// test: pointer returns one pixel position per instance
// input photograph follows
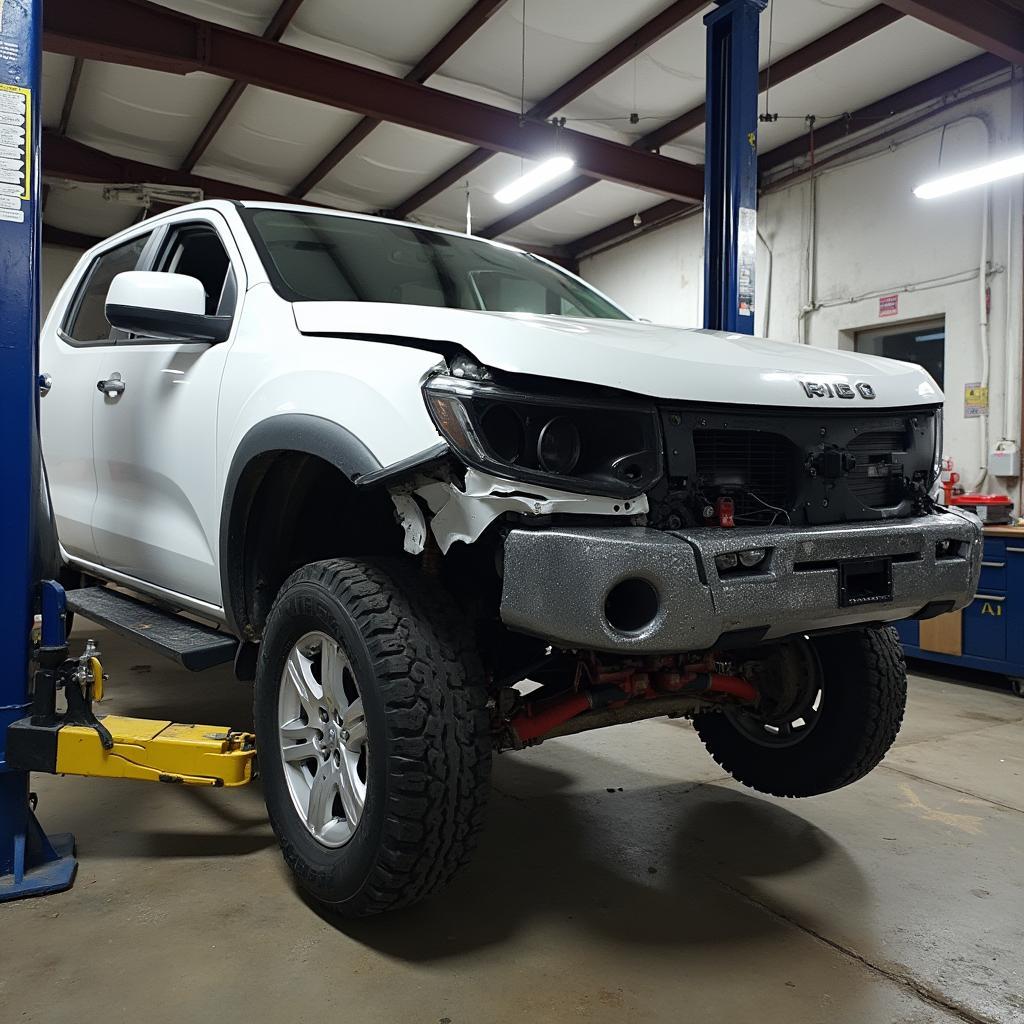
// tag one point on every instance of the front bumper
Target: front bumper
(557, 581)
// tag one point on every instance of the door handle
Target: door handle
(112, 387)
(45, 383)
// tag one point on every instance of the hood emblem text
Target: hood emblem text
(817, 389)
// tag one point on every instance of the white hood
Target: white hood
(646, 359)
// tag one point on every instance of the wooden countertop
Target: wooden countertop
(1004, 531)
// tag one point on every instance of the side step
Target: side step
(192, 645)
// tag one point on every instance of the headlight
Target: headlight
(596, 447)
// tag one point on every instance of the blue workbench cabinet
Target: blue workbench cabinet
(992, 625)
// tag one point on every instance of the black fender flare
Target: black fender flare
(290, 432)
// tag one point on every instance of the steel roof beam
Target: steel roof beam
(146, 35)
(925, 91)
(828, 45)
(467, 26)
(985, 23)
(65, 158)
(930, 89)
(634, 44)
(70, 95)
(280, 21)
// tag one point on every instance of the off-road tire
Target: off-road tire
(864, 695)
(422, 686)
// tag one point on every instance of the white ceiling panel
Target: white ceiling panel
(395, 30)
(81, 208)
(145, 115)
(391, 164)
(668, 78)
(562, 38)
(905, 53)
(274, 140)
(595, 208)
(250, 16)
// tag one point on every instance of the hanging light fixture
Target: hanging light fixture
(549, 169)
(532, 180)
(982, 175)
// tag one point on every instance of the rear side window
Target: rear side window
(87, 322)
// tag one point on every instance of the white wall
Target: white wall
(873, 238)
(57, 263)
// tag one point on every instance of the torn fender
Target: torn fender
(463, 515)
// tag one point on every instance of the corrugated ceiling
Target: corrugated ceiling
(271, 141)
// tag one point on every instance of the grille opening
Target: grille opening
(877, 479)
(756, 468)
(631, 605)
(834, 563)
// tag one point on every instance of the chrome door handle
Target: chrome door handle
(45, 383)
(112, 387)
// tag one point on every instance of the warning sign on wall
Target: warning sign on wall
(889, 305)
(975, 400)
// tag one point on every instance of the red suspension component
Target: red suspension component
(644, 679)
(528, 726)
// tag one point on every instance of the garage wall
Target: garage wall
(57, 264)
(872, 238)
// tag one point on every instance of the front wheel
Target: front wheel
(831, 708)
(372, 733)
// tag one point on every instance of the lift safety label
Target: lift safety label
(15, 151)
(746, 251)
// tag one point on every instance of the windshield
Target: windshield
(319, 257)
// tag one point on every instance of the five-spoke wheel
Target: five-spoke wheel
(323, 738)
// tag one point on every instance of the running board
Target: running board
(194, 646)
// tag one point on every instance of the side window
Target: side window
(197, 251)
(86, 322)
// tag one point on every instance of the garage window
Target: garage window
(87, 322)
(922, 343)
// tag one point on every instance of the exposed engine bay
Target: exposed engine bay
(517, 447)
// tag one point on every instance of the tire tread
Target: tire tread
(431, 682)
(870, 662)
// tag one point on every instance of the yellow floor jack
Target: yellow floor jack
(78, 742)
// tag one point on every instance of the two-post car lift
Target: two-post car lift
(34, 735)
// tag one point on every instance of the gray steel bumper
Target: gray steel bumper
(556, 581)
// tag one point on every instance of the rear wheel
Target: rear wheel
(831, 708)
(372, 731)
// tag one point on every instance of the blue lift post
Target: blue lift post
(730, 165)
(31, 863)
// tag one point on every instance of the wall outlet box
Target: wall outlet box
(1004, 461)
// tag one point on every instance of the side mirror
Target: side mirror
(163, 307)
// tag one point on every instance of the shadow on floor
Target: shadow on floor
(662, 867)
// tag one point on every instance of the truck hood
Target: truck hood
(661, 362)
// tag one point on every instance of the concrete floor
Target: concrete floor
(622, 877)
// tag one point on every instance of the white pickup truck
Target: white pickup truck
(400, 471)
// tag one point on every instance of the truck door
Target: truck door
(76, 341)
(157, 514)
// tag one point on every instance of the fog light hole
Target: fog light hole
(631, 605)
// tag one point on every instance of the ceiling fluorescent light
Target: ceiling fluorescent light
(532, 180)
(972, 178)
